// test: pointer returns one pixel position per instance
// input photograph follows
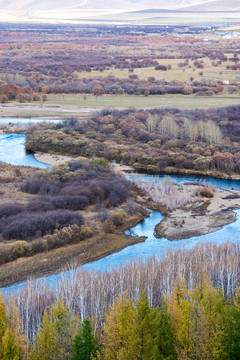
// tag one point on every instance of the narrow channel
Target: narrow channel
(12, 150)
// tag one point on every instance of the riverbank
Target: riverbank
(150, 170)
(203, 216)
(57, 260)
(32, 110)
(52, 159)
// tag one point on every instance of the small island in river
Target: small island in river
(207, 211)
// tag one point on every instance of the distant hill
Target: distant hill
(78, 10)
(216, 5)
(59, 5)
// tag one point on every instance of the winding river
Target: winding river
(12, 150)
(12, 146)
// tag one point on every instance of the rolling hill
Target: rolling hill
(101, 10)
(49, 5)
(216, 5)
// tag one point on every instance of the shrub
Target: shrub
(39, 246)
(119, 218)
(79, 190)
(10, 209)
(103, 215)
(101, 162)
(78, 165)
(27, 227)
(108, 226)
(85, 232)
(20, 248)
(70, 202)
(39, 205)
(206, 192)
(41, 186)
(161, 67)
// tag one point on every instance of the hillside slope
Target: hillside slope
(216, 5)
(58, 5)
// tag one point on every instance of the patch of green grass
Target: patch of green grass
(159, 101)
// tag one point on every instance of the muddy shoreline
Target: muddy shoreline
(200, 218)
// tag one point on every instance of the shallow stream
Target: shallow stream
(12, 151)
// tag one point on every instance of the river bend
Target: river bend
(12, 150)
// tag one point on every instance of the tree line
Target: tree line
(187, 140)
(198, 323)
(89, 295)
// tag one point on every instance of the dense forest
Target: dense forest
(160, 309)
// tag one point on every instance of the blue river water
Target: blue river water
(12, 151)
(16, 120)
(12, 146)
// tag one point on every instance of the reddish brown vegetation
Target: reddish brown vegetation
(34, 64)
(154, 141)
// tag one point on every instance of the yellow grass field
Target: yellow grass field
(210, 72)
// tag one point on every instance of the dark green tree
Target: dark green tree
(232, 329)
(145, 316)
(155, 331)
(164, 335)
(85, 345)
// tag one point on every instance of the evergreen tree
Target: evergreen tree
(12, 338)
(164, 346)
(208, 304)
(232, 329)
(85, 345)
(55, 335)
(10, 349)
(155, 331)
(3, 318)
(198, 321)
(145, 316)
(15, 326)
(3, 323)
(121, 340)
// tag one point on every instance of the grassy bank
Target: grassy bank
(57, 260)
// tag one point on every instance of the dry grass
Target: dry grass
(176, 73)
(55, 260)
(10, 178)
(140, 101)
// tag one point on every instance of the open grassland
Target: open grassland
(160, 101)
(210, 72)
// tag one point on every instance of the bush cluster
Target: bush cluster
(155, 141)
(27, 226)
(78, 186)
(62, 193)
(68, 235)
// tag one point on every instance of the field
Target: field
(175, 73)
(122, 101)
(59, 106)
(63, 73)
